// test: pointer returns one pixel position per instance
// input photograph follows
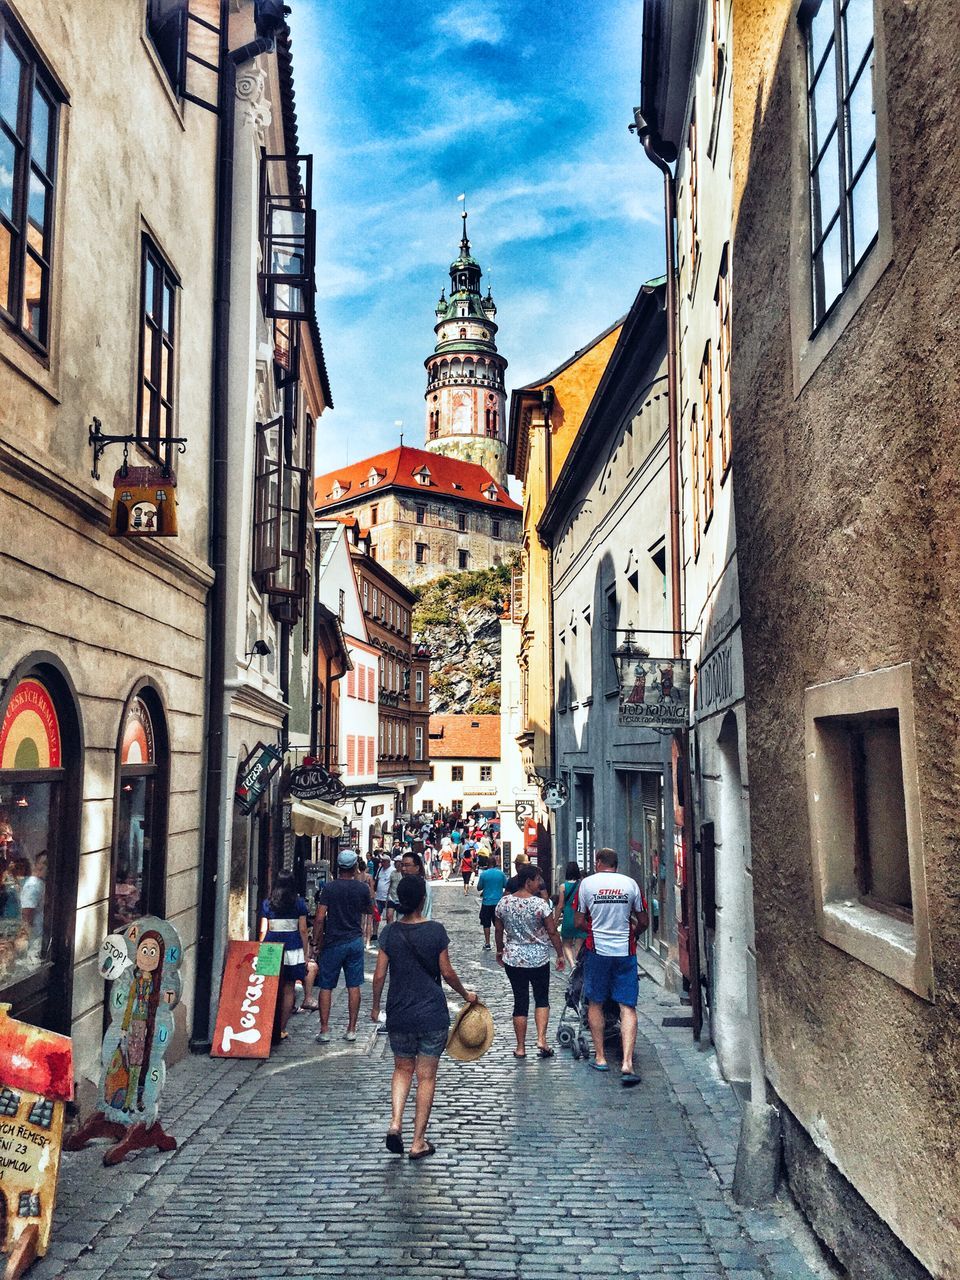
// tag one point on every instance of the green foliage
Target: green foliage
(439, 602)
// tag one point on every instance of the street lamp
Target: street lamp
(626, 655)
(359, 804)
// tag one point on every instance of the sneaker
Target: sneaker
(350, 1035)
(486, 946)
(322, 1037)
(382, 1029)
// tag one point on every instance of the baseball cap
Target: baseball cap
(347, 858)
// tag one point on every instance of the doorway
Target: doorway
(583, 820)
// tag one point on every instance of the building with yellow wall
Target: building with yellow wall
(545, 417)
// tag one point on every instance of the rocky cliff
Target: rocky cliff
(457, 616)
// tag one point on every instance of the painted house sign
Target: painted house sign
(655, 693)
(260, 766)
(30, 733)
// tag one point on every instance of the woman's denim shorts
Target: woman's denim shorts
(418, 1044)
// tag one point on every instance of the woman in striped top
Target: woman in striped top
(284, 920)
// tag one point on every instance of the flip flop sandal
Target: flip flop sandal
(422, 1155)
(629, 1080)
(544, 1053)
(599, 1066)
(521, 1056)
(284, 1035)
(394, 1142)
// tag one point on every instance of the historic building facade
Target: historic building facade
(466, 398)
(846, 455)
(426, 514)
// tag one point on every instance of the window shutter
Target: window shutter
(351, 684)
(266, 502)
(200, 69)
(361, 756)
(371, 762)
(371, 683)
(351, 753)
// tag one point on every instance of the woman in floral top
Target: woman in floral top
(526, 931)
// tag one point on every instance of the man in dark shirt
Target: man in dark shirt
(338, 941)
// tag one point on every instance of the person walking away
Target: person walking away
(338, 940)
(364, 876)
(525, 932)
(414, 952)
(611, 910)
(466, 870)
(382, 887)
(283, 919)
(491, 883)
(571, 937)
(411, 864)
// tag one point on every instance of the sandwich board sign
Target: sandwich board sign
(248, 1000)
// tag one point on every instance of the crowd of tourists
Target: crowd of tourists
(386, 902)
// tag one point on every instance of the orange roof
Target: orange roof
(465, 737)
(399, 468)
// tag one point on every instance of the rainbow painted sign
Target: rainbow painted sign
(30, 734)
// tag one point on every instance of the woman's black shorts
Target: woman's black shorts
(521, 980)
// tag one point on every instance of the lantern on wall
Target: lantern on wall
(144, 503)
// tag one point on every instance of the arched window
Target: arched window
(138, 873)
(41, 754)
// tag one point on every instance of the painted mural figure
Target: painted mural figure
(638, 693)
(141, 1008)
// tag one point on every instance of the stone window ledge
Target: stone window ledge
(879, 940)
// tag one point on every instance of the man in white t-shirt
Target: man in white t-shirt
(611, 909)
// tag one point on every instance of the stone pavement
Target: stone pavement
(543, 1169)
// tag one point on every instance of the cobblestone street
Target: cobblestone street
(543, 1169)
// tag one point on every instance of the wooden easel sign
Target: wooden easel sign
(36, 1079)
(248, 1000)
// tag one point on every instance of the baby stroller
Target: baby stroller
(573, 1029)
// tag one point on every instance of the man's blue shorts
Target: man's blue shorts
(347, 956)
(611, 978)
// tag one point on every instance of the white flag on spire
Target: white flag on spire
(462, 197)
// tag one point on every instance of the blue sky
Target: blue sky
(524, 106)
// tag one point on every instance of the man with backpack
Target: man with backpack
(611, 909)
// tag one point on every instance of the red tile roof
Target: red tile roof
(465, 737)
(397, 469)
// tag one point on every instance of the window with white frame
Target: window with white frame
(418, 686)
(418, 741)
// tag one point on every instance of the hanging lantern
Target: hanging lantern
(144, 503)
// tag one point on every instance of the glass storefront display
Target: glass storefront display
(139, 835)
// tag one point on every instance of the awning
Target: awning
(316, 818)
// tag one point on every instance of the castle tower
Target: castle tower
(466, 400)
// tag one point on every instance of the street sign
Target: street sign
(520, 810)
(655, 693)
(309, 782)
(248, 999)
(258, 768)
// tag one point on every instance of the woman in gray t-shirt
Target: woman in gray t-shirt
(414, 952)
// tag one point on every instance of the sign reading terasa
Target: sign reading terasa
(248, 1000)
(258, 768)
(655, 693)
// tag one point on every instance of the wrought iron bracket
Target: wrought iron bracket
(99, 440)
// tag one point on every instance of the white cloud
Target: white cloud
(466, 24)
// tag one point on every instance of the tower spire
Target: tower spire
(464, 242)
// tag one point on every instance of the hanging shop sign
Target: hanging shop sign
(258, 768)
(554, 793)
(144, 503)
(655, 693)
(36, 1080)
(312, 782)
(248, 1000)
(30, 733)
(143, 963)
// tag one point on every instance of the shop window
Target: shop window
(863, 800)
(139, 851)
(40, 753)
(159, 288)
(456, 773)
(29, 129)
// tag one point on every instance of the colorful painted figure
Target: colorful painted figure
(141, 1009)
